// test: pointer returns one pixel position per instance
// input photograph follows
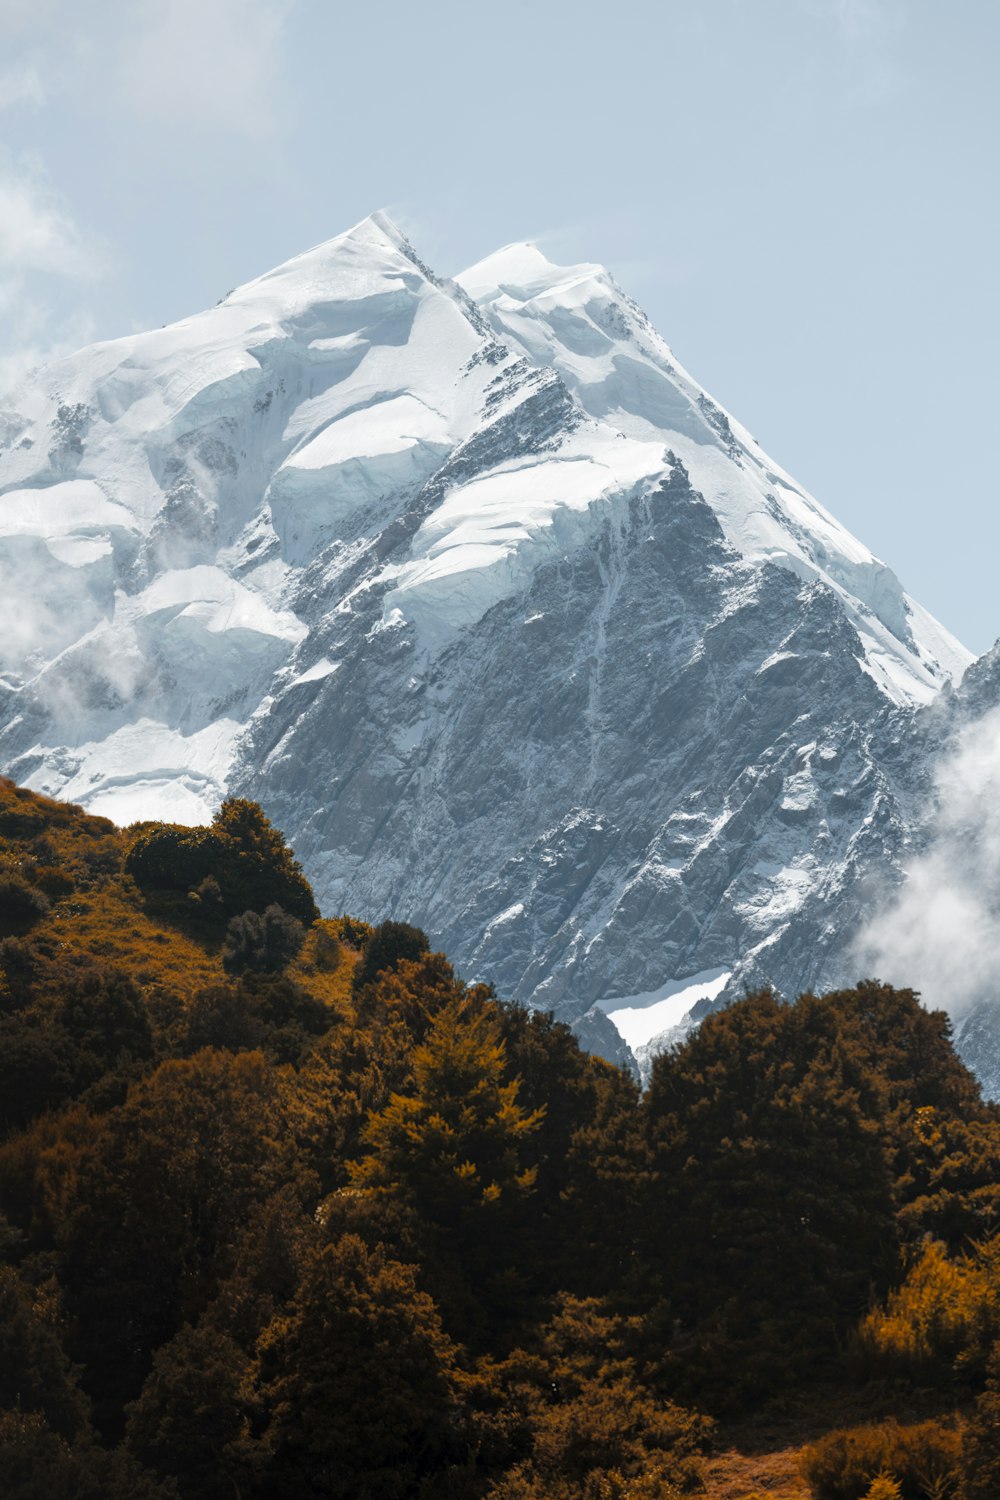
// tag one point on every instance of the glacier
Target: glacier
(513, 629)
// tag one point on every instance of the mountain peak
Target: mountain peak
(432, 581)
(375, 244)
(522, 270)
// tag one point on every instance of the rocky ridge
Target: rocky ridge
(512, 629)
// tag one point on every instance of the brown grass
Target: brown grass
(760, 1458)
(105, 917)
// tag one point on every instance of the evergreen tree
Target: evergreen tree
(191, 1421)
(358, 1380)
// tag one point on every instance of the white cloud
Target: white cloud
(39, 240)
(37, 230)
(942, 934)
(32, 333)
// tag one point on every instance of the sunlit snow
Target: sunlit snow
(640, 1018)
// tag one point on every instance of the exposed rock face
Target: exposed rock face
(512, 629)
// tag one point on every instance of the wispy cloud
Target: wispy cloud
(37, 230)
(942, 933)
(39, 240)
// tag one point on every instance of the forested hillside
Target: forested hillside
(290, 1210)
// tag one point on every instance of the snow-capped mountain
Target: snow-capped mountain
(512, 629)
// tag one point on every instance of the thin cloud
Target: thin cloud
(38, 233)
(39, 241)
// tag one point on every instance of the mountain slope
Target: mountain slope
(512, 628)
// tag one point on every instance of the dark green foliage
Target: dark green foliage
(326, 946)
(102, 1010)
(161, 1196)
(772, 1210)
(21, 904)
(258, 869)
(453, 1147)
(56, 1047)
(192, 1419)
(38, 1464)
(35, 1374)
(37, 1069)
(387, 945)
(357, 1228)
(241, 863)
(981, 1446)
(358, 1378)
(266, 1011)
(169, 857)
(262, 942)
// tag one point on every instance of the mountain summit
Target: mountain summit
(511, 627)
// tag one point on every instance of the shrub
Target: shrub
(262, 942)
(922, 1458)
(167, 857)
(21, 904)
(884, 1487)
(241, 863)
(981, 1445)
(388, 944)
(221, 1015)
(257, 867)
(54, 881)
(326, 946)
(937, 1318)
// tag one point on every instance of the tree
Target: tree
(455, 1144)
(168, 1183)
(388, 944)
(35, 1374)
(102, 1010)
(257, 866)
(191, 1419)
(241, 863)
(38, 1464)
(357, 1377)
(771, 1210)
(453, 1148)
(981, 1441)
(262, 942)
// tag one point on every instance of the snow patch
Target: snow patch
(640, 1018)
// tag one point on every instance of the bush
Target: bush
(326, 946)
(262, 942)
(386, 947)
(981, 1447)
(167, 857)
(923, 1459)
(939, 1317)
(21, 904)
(241, 863)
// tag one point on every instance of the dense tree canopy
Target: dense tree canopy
(295, 1211)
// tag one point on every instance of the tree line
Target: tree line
(289, 1209)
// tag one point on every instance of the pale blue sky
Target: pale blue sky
(801, 193)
